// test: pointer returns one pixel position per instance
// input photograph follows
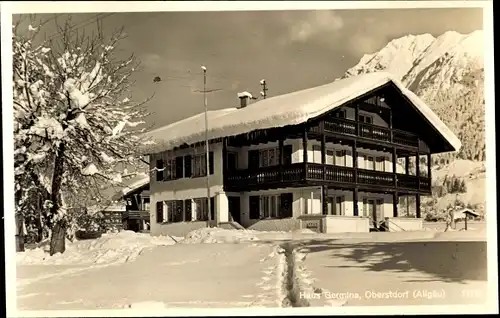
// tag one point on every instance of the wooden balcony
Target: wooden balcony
(300, 174)
(368, 131)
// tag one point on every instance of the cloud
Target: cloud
(311, 24)
(150, 60)
(360, 44)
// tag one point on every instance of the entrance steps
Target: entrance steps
(231, 225)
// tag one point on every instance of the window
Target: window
(340, 158)
(340, 114)
(369, 162)
(335, 205)
(379, 164)
(170, 169)
(339, 205)
(201, 209)
(365, 119)
(269, 206)
(159, 212)
(316, 154)
(188, 210)
(145, 204)
(199, 164)
(268, 157)
(175, 211)
(330, 157)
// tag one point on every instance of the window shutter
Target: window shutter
(254, 207)
(159, 172)
(187, 210)
(159, 212)
(212, 208)
(179, 167)
(211, 162)
(187, 166)
(253, 159)
(287, 154)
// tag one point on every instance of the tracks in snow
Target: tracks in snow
(298, 285)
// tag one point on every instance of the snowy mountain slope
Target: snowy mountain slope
(447, 72)
(397, 57)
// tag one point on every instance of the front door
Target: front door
(372, 212)
(234, 208)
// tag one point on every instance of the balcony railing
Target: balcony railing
(369, 131)
(135, 215)
(274, 176)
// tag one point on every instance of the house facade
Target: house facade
(336, 158)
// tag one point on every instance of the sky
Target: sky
(292, 50)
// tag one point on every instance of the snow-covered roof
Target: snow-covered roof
(245, 94)
(142, 181)
(289, 109)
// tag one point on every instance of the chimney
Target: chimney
(243, 101)
(244, 97)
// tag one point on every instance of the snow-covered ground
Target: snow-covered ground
(180, 275)
(247, 268)
(110, 248)
(419, 272)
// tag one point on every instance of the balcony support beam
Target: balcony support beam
(355, 161)
(355, 202)
(395, 202)
(280, 157)
(429, 166)
(324, 198)
(407, 165)
(417, 201)
(356, 119)
(390, 126)
(394, 167)
(323, 147)
(224, 158)
(417, 168)
(304, 150)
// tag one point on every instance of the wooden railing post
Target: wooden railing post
(355, 161)
(355, 201)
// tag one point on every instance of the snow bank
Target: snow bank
(110, 248)
(218, 235)
(289, 109)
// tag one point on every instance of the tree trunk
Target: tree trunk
(57, 240)
(19, 233)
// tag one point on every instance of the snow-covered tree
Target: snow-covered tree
(73, 120)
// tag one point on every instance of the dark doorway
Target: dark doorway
(286, 201)
(234, 208)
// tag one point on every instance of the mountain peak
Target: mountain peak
(396, 57)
